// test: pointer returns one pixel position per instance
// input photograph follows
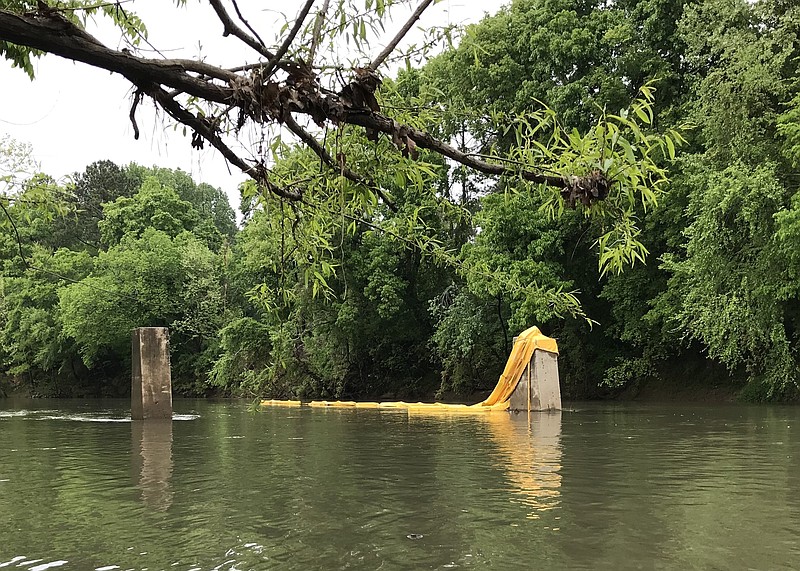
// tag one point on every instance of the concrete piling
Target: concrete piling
(151, 378)
(539, 388)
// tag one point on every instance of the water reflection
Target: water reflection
(530, 448)
(151, 452)
(630, 485)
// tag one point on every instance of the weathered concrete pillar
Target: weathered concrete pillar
(151, 383)
(539, 387)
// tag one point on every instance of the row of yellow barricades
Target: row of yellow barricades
(427, 406)
(528, 341)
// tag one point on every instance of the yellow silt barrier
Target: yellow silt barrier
(528, 341)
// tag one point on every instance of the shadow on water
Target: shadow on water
(151, 457)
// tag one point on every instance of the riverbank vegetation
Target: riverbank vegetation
(419, 288)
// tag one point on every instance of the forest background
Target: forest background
(331, 306)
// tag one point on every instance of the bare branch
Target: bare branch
(425, 140)
(16, 233)
(298, 23)
(230, 27)
(204, 69)
(246, 23)
(137, 98)
(390, 47)
(204, 128)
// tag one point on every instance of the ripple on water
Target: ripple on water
(38, 415)
(32, 564)
(81, 418)
(100, 416)
(13, 413)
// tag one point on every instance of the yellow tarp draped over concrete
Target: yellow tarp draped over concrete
(528, 341)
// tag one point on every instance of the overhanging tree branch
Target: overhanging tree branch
(258, 97)
(51, 33)
(230, 27)
(207, 130)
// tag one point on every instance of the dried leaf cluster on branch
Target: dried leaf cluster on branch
(276, 90)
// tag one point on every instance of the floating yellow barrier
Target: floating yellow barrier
(275, 402)
(528, 341)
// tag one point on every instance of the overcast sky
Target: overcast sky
(74, 114)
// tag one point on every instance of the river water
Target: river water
(219, 488)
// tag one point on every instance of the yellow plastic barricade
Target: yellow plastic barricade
(528, 341)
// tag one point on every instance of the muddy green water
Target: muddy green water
(601, 487)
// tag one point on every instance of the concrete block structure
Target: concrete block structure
(539, 388)
(151, 377)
